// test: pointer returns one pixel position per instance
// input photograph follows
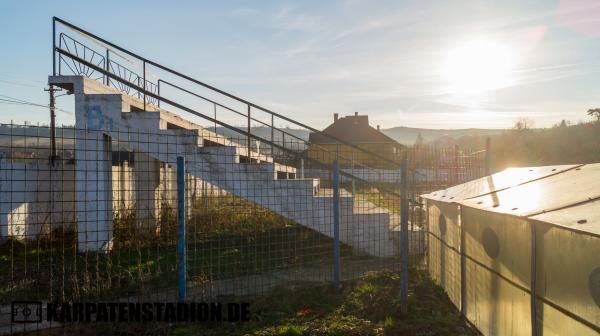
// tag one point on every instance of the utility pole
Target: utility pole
(51, 90)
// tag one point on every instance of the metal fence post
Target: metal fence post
(404, 235)
(488, 156)
(463, 267)
(336, 224)
(181, 244)
(533, 284)
(456, 165)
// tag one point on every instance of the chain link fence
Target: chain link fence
(100, 220)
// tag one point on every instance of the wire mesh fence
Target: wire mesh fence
(100, 220)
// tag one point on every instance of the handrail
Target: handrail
(227, 108)
(194, 112)
(253, 119)
(208, 86)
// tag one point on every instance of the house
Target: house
(355, 130)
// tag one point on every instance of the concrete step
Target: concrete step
(223, 163)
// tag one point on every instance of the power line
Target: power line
(17, 101)
(19, 84)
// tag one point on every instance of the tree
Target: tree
(563, 124)
(523, 123)
(594, 113)
(419, 141)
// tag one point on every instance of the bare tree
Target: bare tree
(594, 113)
(523, 123)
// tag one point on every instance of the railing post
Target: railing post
(144, 86)
(181, 244)
(272, 128)
(488, 156)
(158, 91)
(404, 250)
(107, 66)
(283, 152)
(249, 140)
(54, 46)
(336, 224)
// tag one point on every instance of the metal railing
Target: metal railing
(147, 93)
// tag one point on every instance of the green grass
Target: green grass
(368, 306)
(231, 238)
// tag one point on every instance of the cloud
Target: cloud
(582, 16)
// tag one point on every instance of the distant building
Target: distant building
(354, 129)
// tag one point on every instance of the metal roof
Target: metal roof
(546, 194)
(505, 179)
(566, 195)
(582, 217)
(570, 197)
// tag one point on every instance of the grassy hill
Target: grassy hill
(537, 147)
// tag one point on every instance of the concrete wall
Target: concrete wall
(37, 198)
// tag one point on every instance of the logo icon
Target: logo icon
(26, 311)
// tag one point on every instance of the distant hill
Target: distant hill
(404, 135)
(408, 135)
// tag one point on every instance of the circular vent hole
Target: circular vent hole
(491, 243)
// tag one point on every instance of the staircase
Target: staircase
(106, 112)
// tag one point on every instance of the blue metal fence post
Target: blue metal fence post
(336, 224)
(404, 235)
(181, 244)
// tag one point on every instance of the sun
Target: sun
(479, 66)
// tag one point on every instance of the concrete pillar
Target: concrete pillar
(191, 188)
(94, 191)
(146, 171)
(95, 116)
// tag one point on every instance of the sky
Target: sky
(429, 64)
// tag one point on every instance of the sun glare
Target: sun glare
(479, 66)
